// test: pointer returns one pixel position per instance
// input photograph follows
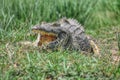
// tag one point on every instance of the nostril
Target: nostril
(33, 28)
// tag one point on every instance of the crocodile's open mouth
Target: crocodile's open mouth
(45, 37)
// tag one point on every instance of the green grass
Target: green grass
(65, 65)
(25, 63)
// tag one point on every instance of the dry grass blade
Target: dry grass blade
(10, 52)
(118, 39)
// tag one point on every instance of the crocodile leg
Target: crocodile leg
(61, 42)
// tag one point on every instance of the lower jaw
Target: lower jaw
(46, 39)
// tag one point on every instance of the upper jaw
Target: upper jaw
(38, 30)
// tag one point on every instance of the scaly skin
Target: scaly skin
(70, 35)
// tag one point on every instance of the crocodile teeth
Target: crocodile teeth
(44, 33)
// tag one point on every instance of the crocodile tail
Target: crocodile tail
(94, 45)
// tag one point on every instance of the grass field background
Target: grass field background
(101, 19)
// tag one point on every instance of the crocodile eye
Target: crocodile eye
(56, 25)
(65, 20)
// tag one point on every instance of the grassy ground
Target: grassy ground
(100, 18)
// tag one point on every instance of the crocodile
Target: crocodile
(63, 34)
